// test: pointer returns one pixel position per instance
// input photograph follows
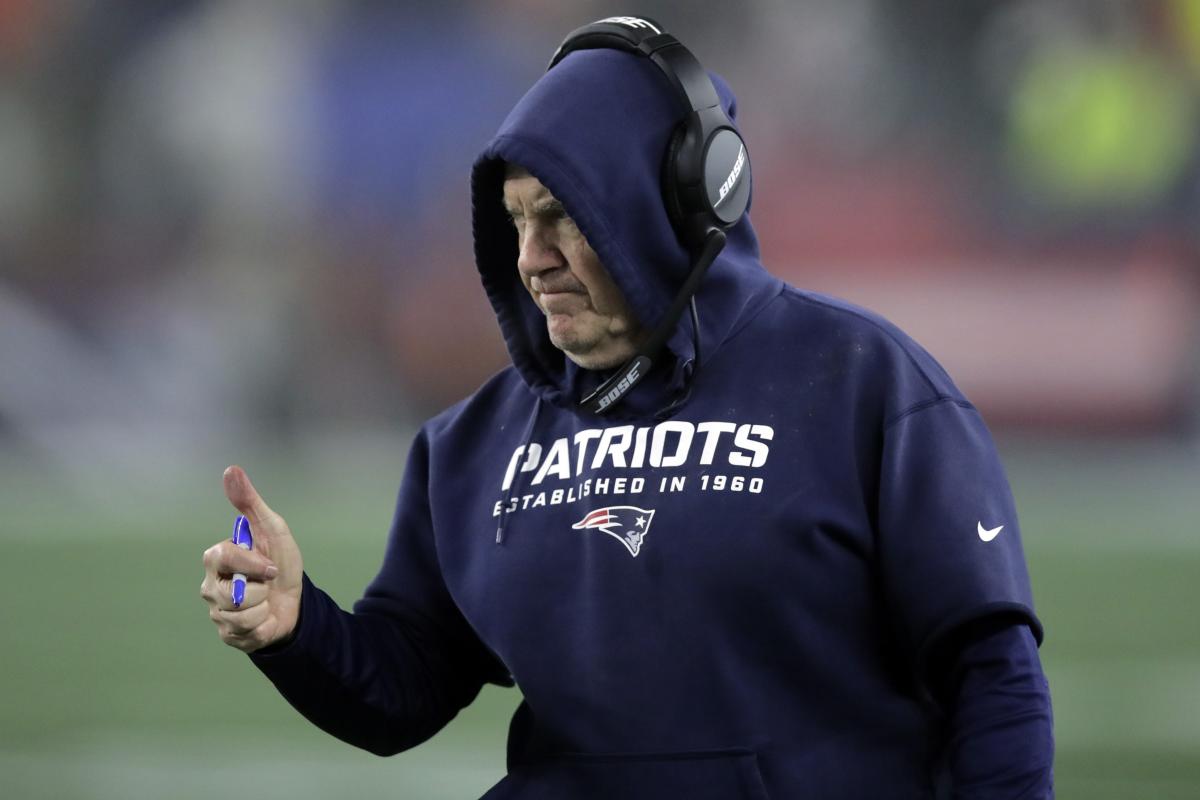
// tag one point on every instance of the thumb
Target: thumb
(244, 497)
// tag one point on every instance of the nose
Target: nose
(538, 250)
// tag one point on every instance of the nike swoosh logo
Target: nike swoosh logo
(987, 535)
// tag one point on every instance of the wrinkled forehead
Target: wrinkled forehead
(523, 189)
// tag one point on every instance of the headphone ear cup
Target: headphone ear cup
(670, 183)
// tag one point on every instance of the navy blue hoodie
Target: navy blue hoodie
(738, 584)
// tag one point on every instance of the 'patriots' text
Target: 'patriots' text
(673, 443)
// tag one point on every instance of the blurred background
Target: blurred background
(238, 231)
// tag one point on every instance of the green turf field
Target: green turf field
(115, 685)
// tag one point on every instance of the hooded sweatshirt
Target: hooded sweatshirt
(750, 580)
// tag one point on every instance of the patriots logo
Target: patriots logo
(627, 524)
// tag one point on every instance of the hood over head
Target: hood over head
(594, 130)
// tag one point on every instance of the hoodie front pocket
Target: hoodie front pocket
(704, 775)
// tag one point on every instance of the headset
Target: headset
(705, 177)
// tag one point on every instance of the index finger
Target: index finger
(225, 558)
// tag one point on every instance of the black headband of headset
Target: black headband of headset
(646, 37)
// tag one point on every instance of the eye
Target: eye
(559, 216)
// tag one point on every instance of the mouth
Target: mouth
(560, 302)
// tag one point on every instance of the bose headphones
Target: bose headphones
(705, 177)
(706, 173)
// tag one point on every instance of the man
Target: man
(784, 562)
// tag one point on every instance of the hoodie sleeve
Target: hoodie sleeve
(392, 673)
(949, 542)
(1001, 727)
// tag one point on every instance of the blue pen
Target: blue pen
(242, 538)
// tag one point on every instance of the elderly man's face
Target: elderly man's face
(586, 314)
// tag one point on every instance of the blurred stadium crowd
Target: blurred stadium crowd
(220, 216)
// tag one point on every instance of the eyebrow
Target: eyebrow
(549, 207)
